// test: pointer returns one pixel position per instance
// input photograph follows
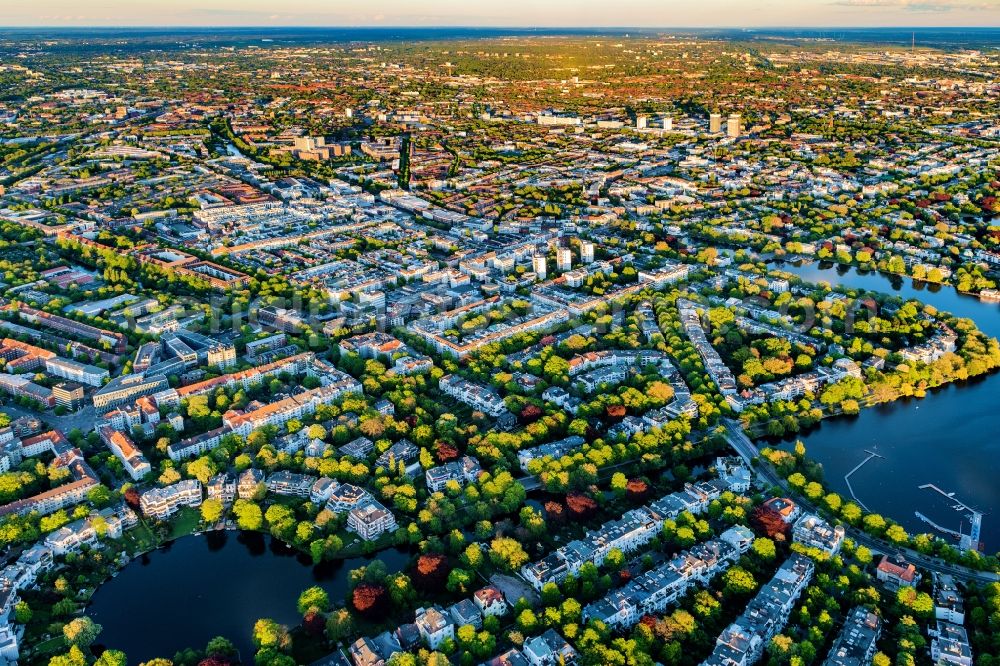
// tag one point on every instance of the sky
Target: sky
(506, 13)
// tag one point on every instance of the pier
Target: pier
(847, 477)
(970, 541)
(939, 528)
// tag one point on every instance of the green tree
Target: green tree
(269, 634)
(459, 581)
(81, 631)
(220, 647)
(22, 612)
(618, 483)
(74, 657)
(764, 548)
(202, 469)
(339, 625)
(112, 658)
(919, 602)
(248, 515)
(211, 510)
(313, 599)
(507, 553)
(738, 581)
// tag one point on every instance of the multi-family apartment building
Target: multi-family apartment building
(464, 470)
(476, 396)
(127, 388)
(370, 520)
(742, 643)
(288, 483)
(123, 448)
(856, 643)
(651, 592)
(161, 503)
(813, 532)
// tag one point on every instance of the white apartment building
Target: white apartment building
(161, 503)
(371, 520)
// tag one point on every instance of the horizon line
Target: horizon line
(495, 27)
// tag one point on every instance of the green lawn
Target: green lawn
(54, 645)
(139, 539)
(185, 522)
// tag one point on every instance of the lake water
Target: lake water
(948, 439)
(214, 584)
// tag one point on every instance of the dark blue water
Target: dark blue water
(986, 315)
(214, 584)
(947, 439)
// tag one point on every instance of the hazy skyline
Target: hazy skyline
(520, 13)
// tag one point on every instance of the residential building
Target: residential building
(346, 497)
(73, 492)
(464, 470)
(122, 446)
(68, 395)
(370, 520)
(161, 503)
(435, 626)
(466, 612)
(896, 572)
(75, 371)
(490, 601)
(743, 642)
(127, 388)
(855, 645)
(288, 483)
(363, 653)
(948, 603)
(477, 396)
(813, 532)
(554, 450)
(653, 591)
(359, 448)
(250, 483)
(950, 645)
(512, 657)
(733, 126)
(549, 649)
(404, 451)
(222, 487)
(564, 259)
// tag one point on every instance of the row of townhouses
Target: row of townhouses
(654, 590)
(742, 643)
(628, 533)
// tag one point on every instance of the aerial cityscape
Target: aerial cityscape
(373, 338)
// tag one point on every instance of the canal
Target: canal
(948, 438)
(214, 584)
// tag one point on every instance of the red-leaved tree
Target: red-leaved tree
(431, 572)
(370, 599)
(580, 506)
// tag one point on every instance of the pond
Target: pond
(214, 584)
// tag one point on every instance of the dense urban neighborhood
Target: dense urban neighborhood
(507, 342)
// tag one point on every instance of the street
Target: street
(82, 419)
